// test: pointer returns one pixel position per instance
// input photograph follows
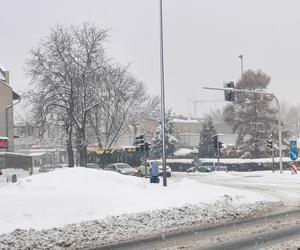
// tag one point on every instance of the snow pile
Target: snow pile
(66, 196)
(131, 227)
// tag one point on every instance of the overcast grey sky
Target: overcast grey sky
(203, 39)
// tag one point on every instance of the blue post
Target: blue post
(154, 173)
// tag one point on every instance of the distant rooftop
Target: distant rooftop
(1, 76)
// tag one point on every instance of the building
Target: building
(188, 132)
(45, 147)
(8, 98)
(185, 130)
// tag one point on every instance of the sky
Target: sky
(202, 42)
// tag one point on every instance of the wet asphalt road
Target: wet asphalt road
(255, 233)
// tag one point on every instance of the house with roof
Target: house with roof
(8, 98)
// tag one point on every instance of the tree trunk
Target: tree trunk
(70, 153)
(99, 142)
(70, 148)
(69, 132)
(82, 147)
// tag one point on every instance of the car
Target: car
(191, 170)
(220, 168)
(202, 168)
(144, 169)
(46, 168)
(92, 165)
(61, 165)
(122, 168)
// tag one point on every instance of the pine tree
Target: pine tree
(205, 145)
(170, 139)
(252, 116)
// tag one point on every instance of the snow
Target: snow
(42, 150)
(185, 121)
(185, 151)
(128, 227)
(12, 153)
(3, 67)
(73, 195)
(20, 173)
(36, 154)
(187, 161)
(239, 160)
(1, 75)
(227, 160)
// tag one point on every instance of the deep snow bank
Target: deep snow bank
(66, 196)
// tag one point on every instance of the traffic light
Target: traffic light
(147, 146)
(215, 142)
(139, 140)
(229, 95)
(269, 143)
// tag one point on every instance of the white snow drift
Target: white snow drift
(67, 196)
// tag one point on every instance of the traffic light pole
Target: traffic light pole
(279, 114)
(162, 97)
(218, 151)
(273, 169)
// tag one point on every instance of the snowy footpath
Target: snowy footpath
(81, 208)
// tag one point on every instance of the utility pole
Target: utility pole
(298, 132)
(162, 96)
(218, 151)
(270, 145)
(135, 129)
(273, 168)
(278, 111)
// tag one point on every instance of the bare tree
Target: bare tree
(125, 102)
(64, 70)
(74, 85)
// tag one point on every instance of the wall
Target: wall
(5, 100)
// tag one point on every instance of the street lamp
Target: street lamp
(162, 96)
(195, 102)
(242, 65)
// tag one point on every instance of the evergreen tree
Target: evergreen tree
(169, 138)
(252, 116)
(205, 145)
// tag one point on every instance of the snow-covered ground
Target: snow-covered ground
(79, 206)
(67, 196)
(285, 186)
(20, 173)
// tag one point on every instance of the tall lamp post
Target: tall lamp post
(162, 96)
(242, 65)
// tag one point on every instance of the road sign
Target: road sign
(293, 144)
(294, 155)
(294, 168)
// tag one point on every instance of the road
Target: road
(269, 232)
(285, 187)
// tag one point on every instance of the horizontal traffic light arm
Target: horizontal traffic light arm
(244, 91)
